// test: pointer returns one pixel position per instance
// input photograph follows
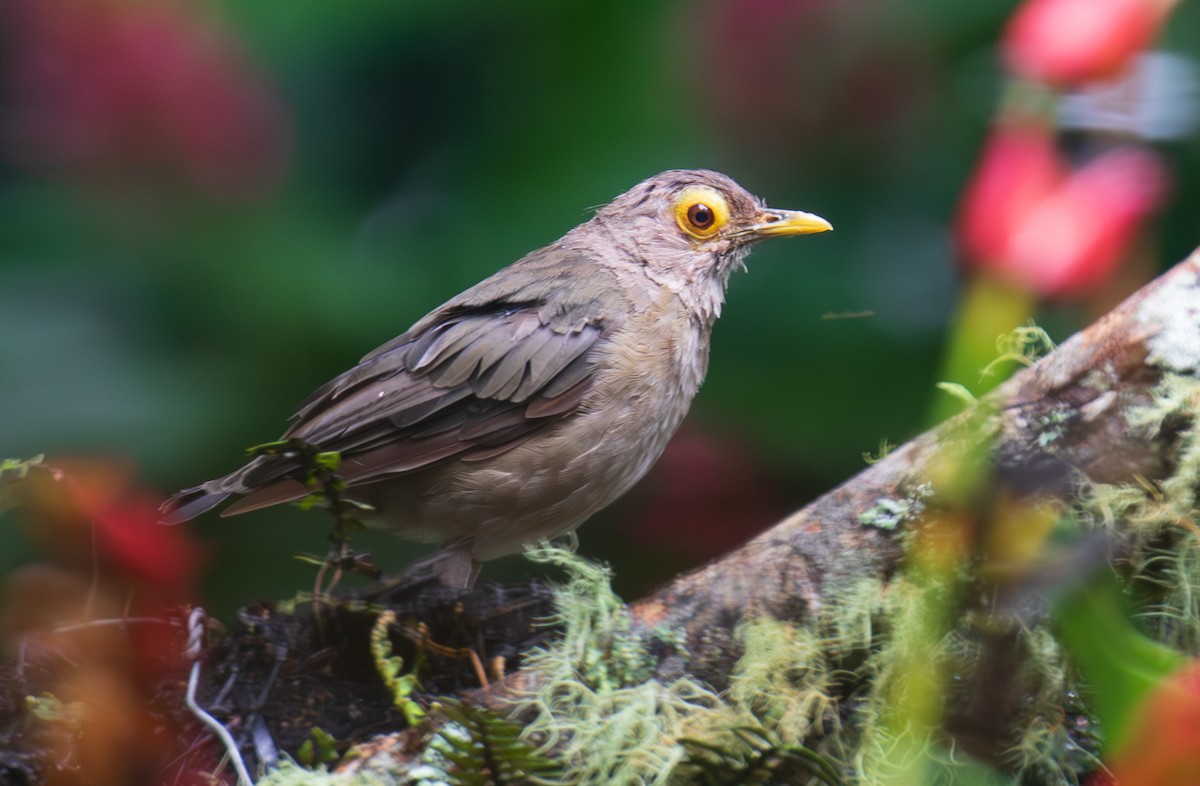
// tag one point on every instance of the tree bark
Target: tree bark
(1086, 388)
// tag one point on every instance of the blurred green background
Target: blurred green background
(170, 289)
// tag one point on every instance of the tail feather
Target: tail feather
(190, 503)
(285, 490)
(197, 500)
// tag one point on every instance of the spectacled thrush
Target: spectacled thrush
(535, 398)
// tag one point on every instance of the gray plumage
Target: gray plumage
(533, 399)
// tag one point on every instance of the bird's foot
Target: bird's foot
(452, 568)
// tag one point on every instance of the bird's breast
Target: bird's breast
(643, 379)
(652, 366)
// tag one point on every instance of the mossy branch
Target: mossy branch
(1108, 409)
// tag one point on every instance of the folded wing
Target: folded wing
(472, 380)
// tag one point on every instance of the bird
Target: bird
(520, 407)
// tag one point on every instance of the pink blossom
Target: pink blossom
(128, 539)
(1034, 222)
(1066, 42)
(119, 90)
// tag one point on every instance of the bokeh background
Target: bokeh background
(209, 208)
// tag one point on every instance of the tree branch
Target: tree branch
(1071, 409)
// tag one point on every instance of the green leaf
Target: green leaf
(1121, 663)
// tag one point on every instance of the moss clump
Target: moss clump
(612, 722)
(868, 683)
(601, 712)
(1156, 520)
(291, 774)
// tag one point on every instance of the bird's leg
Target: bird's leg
(456, 569)
(452, 567)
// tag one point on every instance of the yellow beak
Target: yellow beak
(785, 223)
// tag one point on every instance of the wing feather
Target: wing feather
(473, 379)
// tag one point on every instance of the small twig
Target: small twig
(195, 636)
(281, 653)
(421, 637)
(264, 744)
(327, 487)
(219, 699)
(114, 621)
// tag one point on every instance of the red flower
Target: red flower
(1065, 42)
(137, 90)
(782, 75)
(1017, 168)
(1033, 222)
(127, 535)
(94, 627)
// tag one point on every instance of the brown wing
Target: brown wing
(471, 380)
(470, 387)
(471, 383)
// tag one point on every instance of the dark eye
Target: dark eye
(701, 215)
(701, 212)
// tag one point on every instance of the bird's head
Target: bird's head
(689, 228)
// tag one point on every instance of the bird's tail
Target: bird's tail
(197, 500)
(190, 503)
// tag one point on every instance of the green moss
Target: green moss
(291, 774)
(601, 712)
(892, 737)
(1021, 346)
(1052, 427)
(783, 679)
(1158, 519)
(787, 686)
(597, 645)
(890, 512)
(895, 643)
(618, 724)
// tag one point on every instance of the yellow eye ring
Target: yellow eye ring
(701, 211)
